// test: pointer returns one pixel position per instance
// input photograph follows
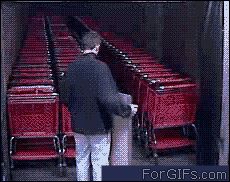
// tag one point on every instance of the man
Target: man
(92, 97)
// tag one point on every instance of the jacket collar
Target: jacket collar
(90, 54)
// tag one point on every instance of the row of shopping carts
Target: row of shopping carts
(39, 124)
(167, 100)
(32, 99)
(65, 51)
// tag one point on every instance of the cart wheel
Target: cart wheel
(12, 165)
(197, 137)
(155, 156)
(149, 153)
(147, 146)
(145, 133)
(64, 162)
(62, 171)
(142, 137)
(135, 128)
(194, 149)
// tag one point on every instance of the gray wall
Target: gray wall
(122, 18)
(13, 23)
(13, 27)
(58, 9)
(169, 31)
(153, 28)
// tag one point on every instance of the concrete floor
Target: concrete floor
(48, 170)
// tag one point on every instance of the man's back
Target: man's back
(87, 78)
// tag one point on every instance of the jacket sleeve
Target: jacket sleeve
(108, 94)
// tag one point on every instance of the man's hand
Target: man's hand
(134, 108)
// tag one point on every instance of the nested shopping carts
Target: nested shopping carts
(32, 100)
(33, 123)
(40, 125)
(66, 50)
(167, 100)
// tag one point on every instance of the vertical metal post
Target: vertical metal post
(224, 130)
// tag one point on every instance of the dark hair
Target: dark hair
(90, 40)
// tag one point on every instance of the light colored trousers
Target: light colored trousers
(98, 146)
